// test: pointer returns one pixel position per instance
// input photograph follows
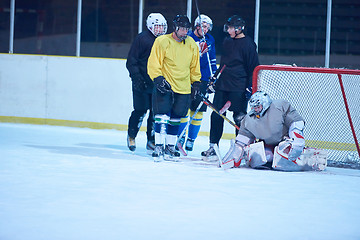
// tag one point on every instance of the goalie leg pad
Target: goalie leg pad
(281, 162)
(255, 156)
(310, 159)
(233, 156)
(315, 159)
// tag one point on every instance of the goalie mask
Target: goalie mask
(204, 19)
(259, 99)
(235, 21)
(156, 23)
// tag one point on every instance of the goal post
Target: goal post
(328, 100)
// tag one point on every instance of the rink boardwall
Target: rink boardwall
(70, 91)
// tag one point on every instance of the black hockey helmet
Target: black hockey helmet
(181, 21)
(235, 21)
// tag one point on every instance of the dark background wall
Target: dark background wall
(291, 31)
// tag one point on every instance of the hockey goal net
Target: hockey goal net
(328, 100)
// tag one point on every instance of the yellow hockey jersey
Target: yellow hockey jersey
(177, 62)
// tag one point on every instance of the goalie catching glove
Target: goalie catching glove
(162, 85)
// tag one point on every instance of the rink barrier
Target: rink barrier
(82, 124)
(71, 91)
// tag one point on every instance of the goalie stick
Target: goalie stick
(178, 144)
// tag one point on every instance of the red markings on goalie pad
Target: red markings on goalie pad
(298, 135)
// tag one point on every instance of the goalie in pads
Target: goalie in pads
(279, 127)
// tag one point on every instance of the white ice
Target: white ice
(70, 183)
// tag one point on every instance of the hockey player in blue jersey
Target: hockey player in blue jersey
(202, 26)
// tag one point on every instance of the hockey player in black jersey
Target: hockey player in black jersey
(142, 85)
(240, 57)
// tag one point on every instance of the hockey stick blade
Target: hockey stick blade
(181, 149)
(217, 151)
(225, 107)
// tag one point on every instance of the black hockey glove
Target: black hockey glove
(196, 91)
(138, 83)
(162, 85)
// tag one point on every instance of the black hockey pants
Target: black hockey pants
(238, 107)
(141, 103)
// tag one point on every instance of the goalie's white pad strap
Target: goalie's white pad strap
(242, 140)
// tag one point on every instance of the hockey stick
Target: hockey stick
(210, 105)
(221, 111)
(203, 36)
(178, 144)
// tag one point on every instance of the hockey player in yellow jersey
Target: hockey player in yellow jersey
(174, 67)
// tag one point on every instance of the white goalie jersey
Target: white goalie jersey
(273, 126)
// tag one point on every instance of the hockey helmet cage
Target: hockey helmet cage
(181, 21)
(204, 19)
(259, 98)
(156, 19)
(235, 21)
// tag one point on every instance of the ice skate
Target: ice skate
(171, 154)
(131, 143)
(158, 153)
(150, 146)
(209, 155)
(189, 144)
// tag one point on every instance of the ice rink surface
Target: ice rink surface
(71, 183)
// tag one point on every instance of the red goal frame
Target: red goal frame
(338, 72)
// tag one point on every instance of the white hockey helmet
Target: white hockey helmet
(156, 19)
(259, 98)
(204, 19)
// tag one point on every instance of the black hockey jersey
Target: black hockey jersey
(138, 57)
(240, 57)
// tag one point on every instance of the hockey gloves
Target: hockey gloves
(196, 91)
(162, 85)
(211, 85)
